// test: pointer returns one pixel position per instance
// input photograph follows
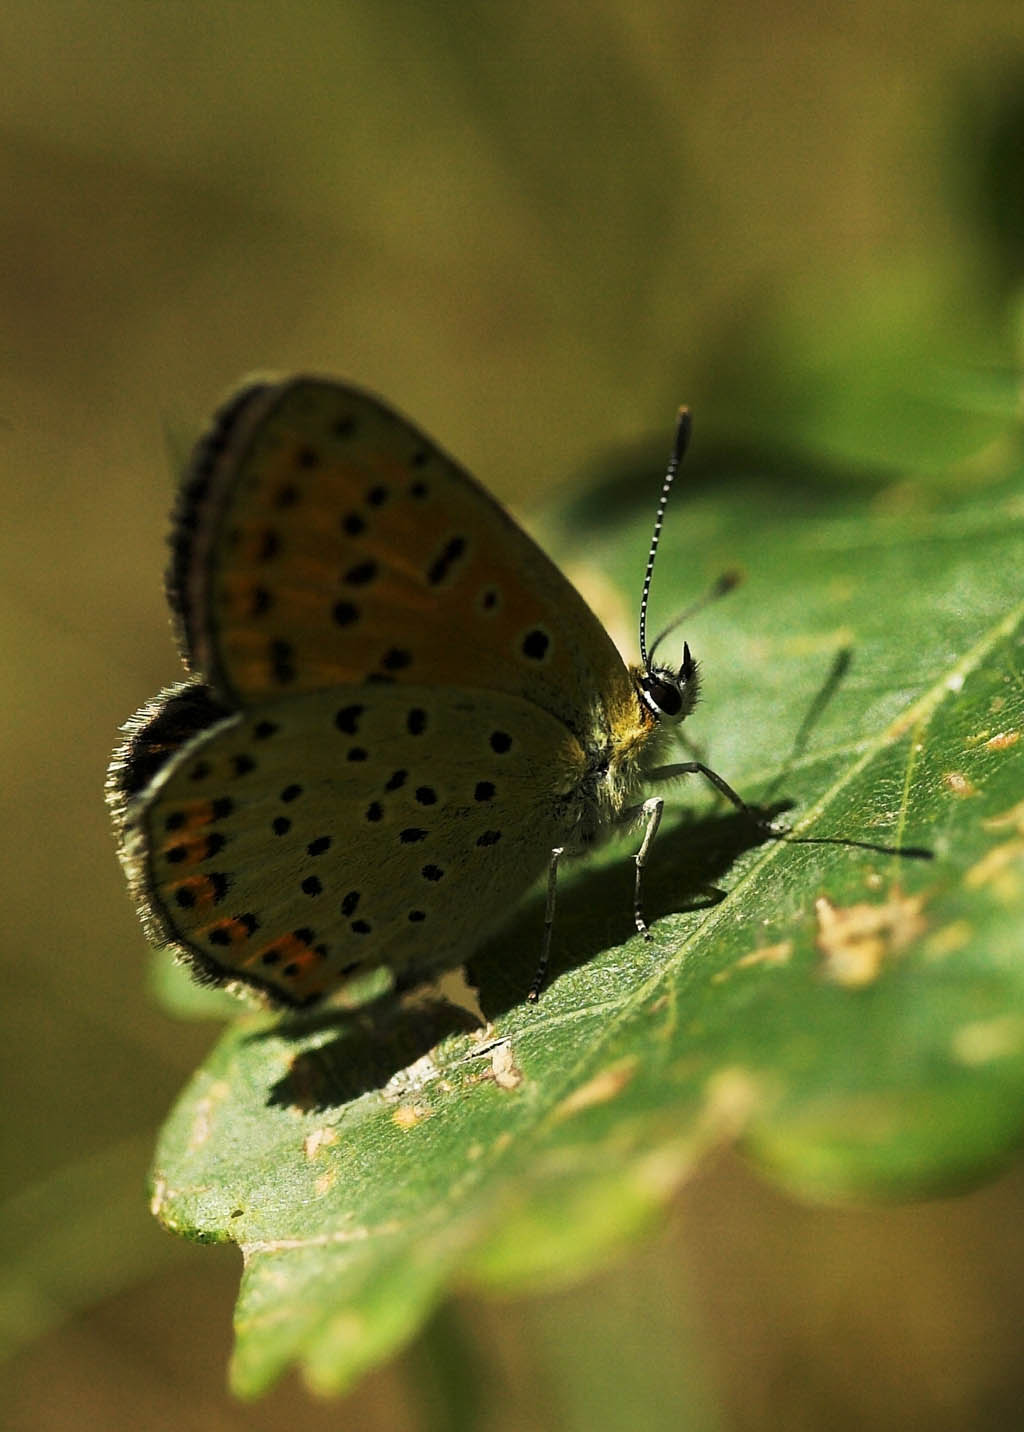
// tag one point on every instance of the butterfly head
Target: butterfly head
(668, 694)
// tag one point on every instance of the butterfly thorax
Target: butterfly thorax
(624, 739)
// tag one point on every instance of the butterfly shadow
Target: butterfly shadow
(372, 1045)
(369, 1048)
(687, 870)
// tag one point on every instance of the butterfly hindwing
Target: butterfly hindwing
(297, 845)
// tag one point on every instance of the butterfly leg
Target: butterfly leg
(697, 768)
(549, 922)
(651, 812)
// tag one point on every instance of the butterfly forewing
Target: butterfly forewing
(323, 540)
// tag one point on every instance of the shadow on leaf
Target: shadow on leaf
(374, 1043)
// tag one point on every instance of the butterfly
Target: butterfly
(399, 713)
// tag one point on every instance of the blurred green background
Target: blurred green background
(536, 229)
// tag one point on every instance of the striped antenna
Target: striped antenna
(683, 426)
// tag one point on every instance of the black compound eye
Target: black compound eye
(669, 694)
(665, 695)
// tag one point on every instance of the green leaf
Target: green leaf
(849, 1007)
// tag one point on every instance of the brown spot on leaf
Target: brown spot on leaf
(504, 1070)
(599, 1090)
(771, 955)
(855, 940)
(958, 784)
(407, 1116)
(1002, 740)
(317, 1140)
